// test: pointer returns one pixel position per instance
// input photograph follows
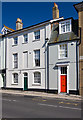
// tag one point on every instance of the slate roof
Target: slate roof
(56, 37)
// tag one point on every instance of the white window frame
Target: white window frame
(38, 83)
(14, 41)
(15, 61)
(13, 78)
(24, 41)
(36, 35)
(34, 58)
(63, 51)
(64, 22)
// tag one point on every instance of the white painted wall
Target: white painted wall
(2, 59)
(32, 45)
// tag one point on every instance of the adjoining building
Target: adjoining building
(79, 9)
(63, 56)
(2, 61)
(3, 54)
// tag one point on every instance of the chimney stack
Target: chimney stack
(55, 11)
(19, 24)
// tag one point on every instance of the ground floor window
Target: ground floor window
(15, 78)
(37, 77)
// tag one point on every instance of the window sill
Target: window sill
(36, 40)
(36, 66)
(14, 84)
(15, 68)
(65, 32)
(36, 84)
(62, 58)
(24, 42)
(14, 45)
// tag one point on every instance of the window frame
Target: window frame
(37, 83)
(35, 59)
(15, 61)
(63, 51)
(25, 37)
(65, 23)
(14, 79)
(36, 35)
(14, 40)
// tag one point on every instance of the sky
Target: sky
(34, 12)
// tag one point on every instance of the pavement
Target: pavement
(42, 94)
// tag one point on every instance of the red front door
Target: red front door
(63, 83)
(63, 79)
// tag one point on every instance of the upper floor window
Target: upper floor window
(15, 78)
(15, 60)
(25, 59)
(37, 57)
(65, 26)
(15, 40)
(37, 77)
(25, 38)
(63, 51)
(37, 35)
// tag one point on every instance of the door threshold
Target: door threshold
(62, 93)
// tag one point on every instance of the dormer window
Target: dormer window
(65, 26)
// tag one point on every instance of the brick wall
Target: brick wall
(81, 53)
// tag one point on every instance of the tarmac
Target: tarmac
(42, 94)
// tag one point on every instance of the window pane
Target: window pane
(63, 51)
(37, 77)
(63, 70)
(37, 34)
(67, 26)
(15, 77)
(15, 41)
(37, 58)
(62, 27)
(25, 38)
(15, 60)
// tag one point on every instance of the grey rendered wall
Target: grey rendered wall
(53, 70)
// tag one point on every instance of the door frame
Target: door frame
(27, 80)
(59, 80)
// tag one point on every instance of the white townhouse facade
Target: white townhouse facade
(2, 61)
(3, 53)
(25, 60)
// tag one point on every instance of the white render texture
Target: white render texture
(32, 45)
